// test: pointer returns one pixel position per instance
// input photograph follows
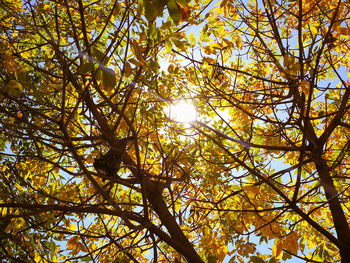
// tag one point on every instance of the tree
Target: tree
(265, 162)
(278, 68)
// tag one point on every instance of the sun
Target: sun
(183, 112)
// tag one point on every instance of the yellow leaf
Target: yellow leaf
(238, 42)
(19, 187)
(15, 225)
(216, 45)
(209, 50)
(310, 244)
(26, 55)
(54, 258)
(277, 249)
(72, 227)
(116, 10)
(47, 7)
(313, 30)
(192, 39)
(168, 45)
(37, 258)
(20, 222)
(3, 211)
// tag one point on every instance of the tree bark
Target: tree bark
(154, 196)
(340, 223)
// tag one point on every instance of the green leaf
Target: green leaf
(179, 44)
(85, 68)
(184, 9)
(13, 88)
(153, 32)
(154, 66)
(98, 75)
(23, 78)
(160, 5)
(86, 259)
(153, 9)
(99, 56)
(174, 11)
(165, 25)
(52, 245)
(150, 11)
(108, 78)
(168, 45)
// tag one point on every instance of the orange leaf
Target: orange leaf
(277, 249)
(185, 11)
(76, 246)
(291, 242)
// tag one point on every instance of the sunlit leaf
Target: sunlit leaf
(313, 30)
(168, 45)
(277, 249)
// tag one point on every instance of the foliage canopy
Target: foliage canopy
(265, 162)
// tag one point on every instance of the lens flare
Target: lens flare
(183, 112)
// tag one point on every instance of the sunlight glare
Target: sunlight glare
(183, 112)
